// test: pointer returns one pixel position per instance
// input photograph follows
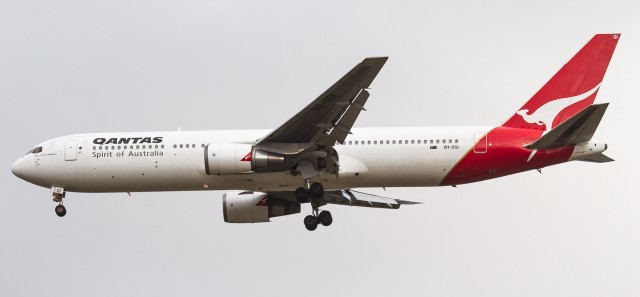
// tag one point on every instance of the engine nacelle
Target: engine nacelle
(256, 207)
(227, 158)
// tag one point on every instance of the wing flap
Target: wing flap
(342, 128)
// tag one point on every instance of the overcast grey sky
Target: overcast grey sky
(94, 66)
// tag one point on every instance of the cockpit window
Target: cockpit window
(35, 150)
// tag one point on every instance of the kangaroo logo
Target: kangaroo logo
(546, 113)
(549, 111)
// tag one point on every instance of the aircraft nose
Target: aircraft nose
(16, 168)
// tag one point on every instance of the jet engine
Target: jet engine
(255, 207)
(240, 158)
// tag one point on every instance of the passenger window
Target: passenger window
(181, 146)
(412, 141)
(438, 141)
(449, 140)
(431, 141)
(394, 142)
(162, 146)
(387, 141)
(369, 142)
(375, 142)
(456, 141)
(94, 148)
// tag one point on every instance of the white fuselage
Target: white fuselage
(382, 157)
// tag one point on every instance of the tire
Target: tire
(310, 222)
(302, 195)
(325, 218)
(316, 190)
(61, 211)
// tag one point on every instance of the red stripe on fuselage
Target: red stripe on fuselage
(505, 155)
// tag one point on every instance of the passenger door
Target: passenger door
(480, 140)
(71, 150)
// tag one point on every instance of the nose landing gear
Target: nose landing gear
(58, 194)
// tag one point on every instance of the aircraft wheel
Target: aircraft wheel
(325, 218)
(316, 190)
(302, 195)
(61, 210)
(310, 222)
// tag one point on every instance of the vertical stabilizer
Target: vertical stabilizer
(570, 90)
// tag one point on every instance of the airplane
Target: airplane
(317, 157)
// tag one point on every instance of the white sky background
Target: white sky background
(69, 67)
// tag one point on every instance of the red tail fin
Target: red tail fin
(570, 90)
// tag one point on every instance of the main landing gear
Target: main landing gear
(58, 194)
(313, 193)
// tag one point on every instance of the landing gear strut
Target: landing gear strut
(58, 194)
(313, 193)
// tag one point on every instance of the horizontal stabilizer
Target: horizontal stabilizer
(599, 158)
(577, 129)
(355, 198)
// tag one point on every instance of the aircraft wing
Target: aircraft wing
(355, 198)
(330, 116)
(352, 198)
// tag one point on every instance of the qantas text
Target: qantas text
(128, 140)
